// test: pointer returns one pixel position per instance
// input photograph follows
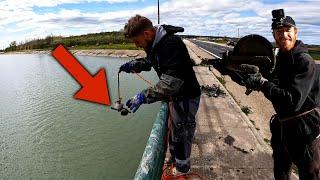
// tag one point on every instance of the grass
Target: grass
(129, 46)
(221, 80)
(102, 40)
(221, 41)
(267, 140)
(254, 124)
(246, 110)
(315, 53)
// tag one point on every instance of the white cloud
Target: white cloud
(27, 4)
(121, 1)
(224, 17)
(201, 17)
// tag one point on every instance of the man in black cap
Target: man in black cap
(294, 93)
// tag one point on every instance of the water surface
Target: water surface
(46, 134)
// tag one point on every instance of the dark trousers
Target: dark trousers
(183, 124)
(288, 151)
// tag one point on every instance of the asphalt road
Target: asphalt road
(215, 49)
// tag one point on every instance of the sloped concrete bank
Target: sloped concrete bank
(92, 52)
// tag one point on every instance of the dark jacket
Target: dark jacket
(170, 59)
(295, 89)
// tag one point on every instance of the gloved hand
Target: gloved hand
(126, 67)
(135, 102)
(254, 81)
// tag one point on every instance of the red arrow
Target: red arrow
(94, 89)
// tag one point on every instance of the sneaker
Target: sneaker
(176, 172)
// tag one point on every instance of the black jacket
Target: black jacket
(170, 59)
(295, 89)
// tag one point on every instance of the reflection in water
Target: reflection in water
(46, 134)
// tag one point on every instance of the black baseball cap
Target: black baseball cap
(285, 21)
(279, 19)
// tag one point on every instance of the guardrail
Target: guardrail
(154, 154)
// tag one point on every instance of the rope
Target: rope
(148, 82)
(167, 168)
(296, 116)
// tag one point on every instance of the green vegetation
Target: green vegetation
(254, 124)
(267, 140)
(221, 80)
(107, 46)
(234, 98)
(103, 40)
(221, 40)
(246, 109)
(315, 52)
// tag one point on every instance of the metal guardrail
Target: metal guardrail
(154, 154)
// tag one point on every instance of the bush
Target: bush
(246, 109)
(221, 80)
(104, 40)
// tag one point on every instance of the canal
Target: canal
(46, 134)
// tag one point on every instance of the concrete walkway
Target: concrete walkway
(226, 145)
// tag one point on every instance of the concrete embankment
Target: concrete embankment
(92, 52)
(227, 145)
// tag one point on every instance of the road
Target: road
(213, 48)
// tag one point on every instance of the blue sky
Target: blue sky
(29, 19)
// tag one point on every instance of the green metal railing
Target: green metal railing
(154, 154)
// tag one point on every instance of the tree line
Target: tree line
(49, 42)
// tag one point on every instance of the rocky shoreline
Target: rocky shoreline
(92, 52)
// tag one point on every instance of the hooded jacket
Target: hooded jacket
(170, 59)
(295, 89)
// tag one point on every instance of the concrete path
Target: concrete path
(226, 145)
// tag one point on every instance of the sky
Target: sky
(24, 20)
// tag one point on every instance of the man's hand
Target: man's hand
(135, 102)
(126, 67)
(254, 81)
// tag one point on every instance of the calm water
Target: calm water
(46, 134)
